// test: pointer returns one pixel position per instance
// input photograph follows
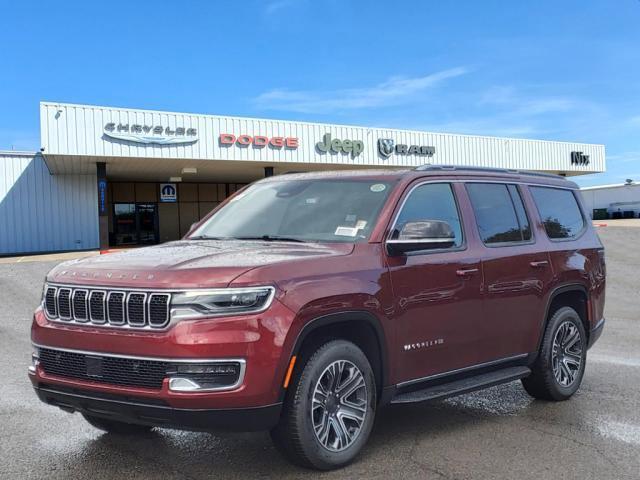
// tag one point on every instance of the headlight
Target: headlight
(218, 302)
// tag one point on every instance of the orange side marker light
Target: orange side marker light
(287, 378)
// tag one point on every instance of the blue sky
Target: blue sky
(566, 70)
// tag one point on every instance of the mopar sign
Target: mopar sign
(168, 192)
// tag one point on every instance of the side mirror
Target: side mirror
(421, 235)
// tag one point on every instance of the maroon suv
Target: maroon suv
(306, 302)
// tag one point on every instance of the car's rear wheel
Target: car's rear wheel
(329, 409)
(557, 372)
(114, 426)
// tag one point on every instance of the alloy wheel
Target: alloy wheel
(339, 405)
(566, 354)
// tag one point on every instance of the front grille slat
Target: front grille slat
(136, 309)
(106, 307)
(64, 304)
(50, 302)
(115, 308)
(97, 307)
(159, 309)
(79, 301)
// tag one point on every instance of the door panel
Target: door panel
(514, 301)
(437, 294)
(438, 313)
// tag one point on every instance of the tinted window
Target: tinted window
(559, 211)
(432, 201)
(499, 211)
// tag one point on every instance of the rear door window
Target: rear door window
(559, 211)
(500, 213)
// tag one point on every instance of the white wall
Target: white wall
(43, 212)
(623, 197)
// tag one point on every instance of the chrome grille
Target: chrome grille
(79, 300)
(50, 303)
(106, 307)
(64, 304)
(136, 309)
(158, 309)
(97, 307)
(115, 308)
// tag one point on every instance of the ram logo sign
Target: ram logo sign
(168, 192)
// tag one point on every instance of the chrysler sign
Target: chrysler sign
(387, 146)
(150, 134)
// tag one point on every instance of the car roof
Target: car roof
(436, 171)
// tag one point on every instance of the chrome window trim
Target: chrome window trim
(124, 312)
(168, 309)
(144, 309)
(237, 384)
(86, 304)
(104, 309)
(70, 317)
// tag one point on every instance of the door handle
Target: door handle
(466, 272)
(540, 264)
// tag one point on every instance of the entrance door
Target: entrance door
(135, 223)
(147, 219)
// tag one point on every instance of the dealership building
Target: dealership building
(107, 177)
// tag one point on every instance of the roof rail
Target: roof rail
(429, 166)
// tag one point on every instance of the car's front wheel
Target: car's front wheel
(330, 409)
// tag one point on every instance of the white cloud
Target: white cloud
(391, 92)
(509, 98)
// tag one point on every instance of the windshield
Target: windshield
(328, 210)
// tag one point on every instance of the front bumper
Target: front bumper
(260, 340)
(144, 411)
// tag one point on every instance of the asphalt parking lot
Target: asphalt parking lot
(496, 433)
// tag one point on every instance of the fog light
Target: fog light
(194, 377)
(35, 361)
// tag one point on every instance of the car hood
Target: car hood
(187, 263)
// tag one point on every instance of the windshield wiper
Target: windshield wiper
(271, 238)
(207, 237)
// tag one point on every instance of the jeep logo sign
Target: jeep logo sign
(354, 147)
(579, 158)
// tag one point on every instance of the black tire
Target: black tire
(543, 383)
(114, 426)
(295, 437)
